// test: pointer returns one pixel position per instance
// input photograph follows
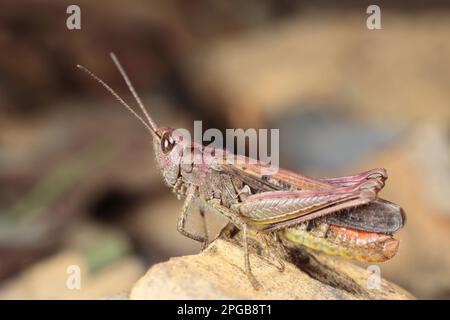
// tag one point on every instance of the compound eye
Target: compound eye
(167, 143)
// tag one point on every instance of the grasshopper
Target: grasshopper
(340, 216)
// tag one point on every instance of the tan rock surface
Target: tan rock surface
(217, 273)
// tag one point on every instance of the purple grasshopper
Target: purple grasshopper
(340, 216)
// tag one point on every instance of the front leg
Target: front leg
(181, 226)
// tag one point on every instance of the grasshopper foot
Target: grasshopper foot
(255, 283)
(204, 245)
(281, 267)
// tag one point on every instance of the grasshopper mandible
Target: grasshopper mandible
(340, 216)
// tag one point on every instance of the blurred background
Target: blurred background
(78, 182)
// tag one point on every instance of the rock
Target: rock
(217, 273)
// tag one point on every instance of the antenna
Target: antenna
(122, 102)
(133, 91)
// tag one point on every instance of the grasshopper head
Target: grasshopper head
(169, 146)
